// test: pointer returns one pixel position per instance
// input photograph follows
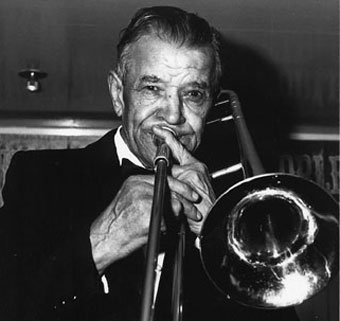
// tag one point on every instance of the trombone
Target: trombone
(269, 241)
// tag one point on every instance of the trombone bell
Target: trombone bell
(271, 241)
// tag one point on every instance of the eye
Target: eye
(195, 96)
(152, 88)
(151, 92)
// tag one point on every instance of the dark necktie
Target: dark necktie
(129, 169)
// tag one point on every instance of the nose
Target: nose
(172, 110)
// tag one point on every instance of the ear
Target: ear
(116, 92)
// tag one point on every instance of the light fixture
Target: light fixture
(32, 75)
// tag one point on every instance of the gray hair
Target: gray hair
(169, 24)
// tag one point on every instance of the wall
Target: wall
(288, 50)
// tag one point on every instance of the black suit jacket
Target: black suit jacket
(47, 271)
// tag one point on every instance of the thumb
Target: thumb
(179, 152)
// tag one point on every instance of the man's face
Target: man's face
(168, 86)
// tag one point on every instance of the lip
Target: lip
(177, 132)
(166, 127)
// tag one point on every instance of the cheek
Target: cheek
(200, 124)
(197, 124)
(198, 134)
(133, 116)
(197, 117)
(197, 127)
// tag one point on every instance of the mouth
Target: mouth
(182, 137)
(166, 128)
(158, 140)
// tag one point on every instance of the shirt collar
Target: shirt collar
(123, 150)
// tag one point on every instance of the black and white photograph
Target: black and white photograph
(169, 160)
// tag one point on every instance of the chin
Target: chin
(148, 158)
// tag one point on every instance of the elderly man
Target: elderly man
(75, 222)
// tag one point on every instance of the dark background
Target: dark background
(281, 55)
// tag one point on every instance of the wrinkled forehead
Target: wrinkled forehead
(151, 55)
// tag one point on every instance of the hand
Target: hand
(123, 226)
(190, 183)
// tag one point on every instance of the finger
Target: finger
(196, 168)
(140, 179)
(176, 204)
(183, 189)
(195, 177)
(195, 227)
(179, 152)
(188, 208)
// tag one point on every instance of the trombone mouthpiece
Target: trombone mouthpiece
(163, 150)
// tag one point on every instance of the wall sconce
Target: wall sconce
(32, 75)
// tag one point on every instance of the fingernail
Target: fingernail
(195, 196)
(199, 216)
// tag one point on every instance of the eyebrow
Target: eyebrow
(150, 78)
(156, 79)
(201, 85)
